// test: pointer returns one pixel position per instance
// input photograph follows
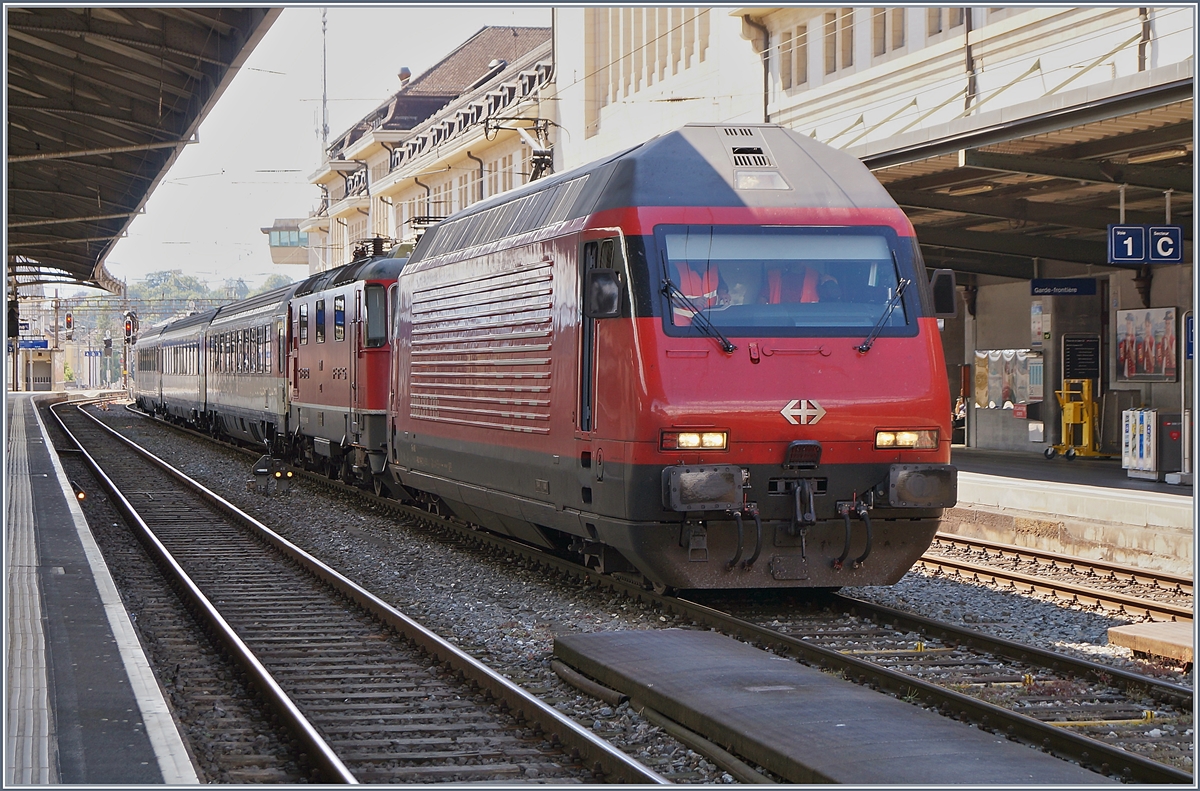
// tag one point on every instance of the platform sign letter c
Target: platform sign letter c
(1166, 244)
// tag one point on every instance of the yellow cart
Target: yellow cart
(1080, 430)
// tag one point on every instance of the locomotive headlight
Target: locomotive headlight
(694, 440)
(914, 439)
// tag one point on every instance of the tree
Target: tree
(272, 282)
(172, 284)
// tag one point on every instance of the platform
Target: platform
(83, 704)
(1168, 639)
(803, 724)
(1086, 507)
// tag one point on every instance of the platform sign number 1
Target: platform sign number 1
(1126, 244)
(1145, 244)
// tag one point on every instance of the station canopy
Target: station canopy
(1001, 193)
(100, 103)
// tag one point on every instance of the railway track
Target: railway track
(368, 694)
(1025, 693)
(1089, 582)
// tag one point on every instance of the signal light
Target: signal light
(128, 330)
(70, 325)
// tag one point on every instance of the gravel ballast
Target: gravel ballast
(506, 612)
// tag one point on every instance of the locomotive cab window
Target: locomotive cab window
(784, 281)
(320, 320)
(339, 318)
(376, 303)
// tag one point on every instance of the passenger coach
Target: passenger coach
(246, 378)
(169, 379)
(712, 359)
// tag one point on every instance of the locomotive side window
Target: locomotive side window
(339, 318)
(376, 303)
(320, 320)
(789, 280)
(304, 323)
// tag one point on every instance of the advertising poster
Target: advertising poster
(1002, 378)
(1146, 345)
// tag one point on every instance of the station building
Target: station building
(448, 138)
(1013, 137)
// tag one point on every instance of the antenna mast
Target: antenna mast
(324, 86)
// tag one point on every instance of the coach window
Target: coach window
(320, 318)
(279, 349)
(376, 316)
(304, 323)
(339, 318)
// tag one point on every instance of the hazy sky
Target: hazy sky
(262, 139)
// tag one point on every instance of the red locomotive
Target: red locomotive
(338, 368)
(712, 359)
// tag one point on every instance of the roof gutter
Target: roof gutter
(765, 54)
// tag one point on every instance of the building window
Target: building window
(628, 49)
(320, 320)
(304, 323)
(839, 40)
(793, 57)
(506, 172)
(887, 30)
(339, 318)
(941, 20)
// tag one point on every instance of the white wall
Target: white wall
(725, 87)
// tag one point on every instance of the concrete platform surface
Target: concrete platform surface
(83, 705)
(1170, 639)
(806, 725)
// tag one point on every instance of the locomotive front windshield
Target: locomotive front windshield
(782, 281)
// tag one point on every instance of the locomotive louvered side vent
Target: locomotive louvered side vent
(738, 131)
(751, 157)
(481, 351)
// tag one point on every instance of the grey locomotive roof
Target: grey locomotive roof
(696, 165)
(374, 268)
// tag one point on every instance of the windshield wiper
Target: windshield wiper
(865, 346)
(699, 320)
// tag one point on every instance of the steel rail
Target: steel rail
(1160, 579)
(322, 755)
(1064, 590)
(1088, 752)
(1175, 694)
(603, 755)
